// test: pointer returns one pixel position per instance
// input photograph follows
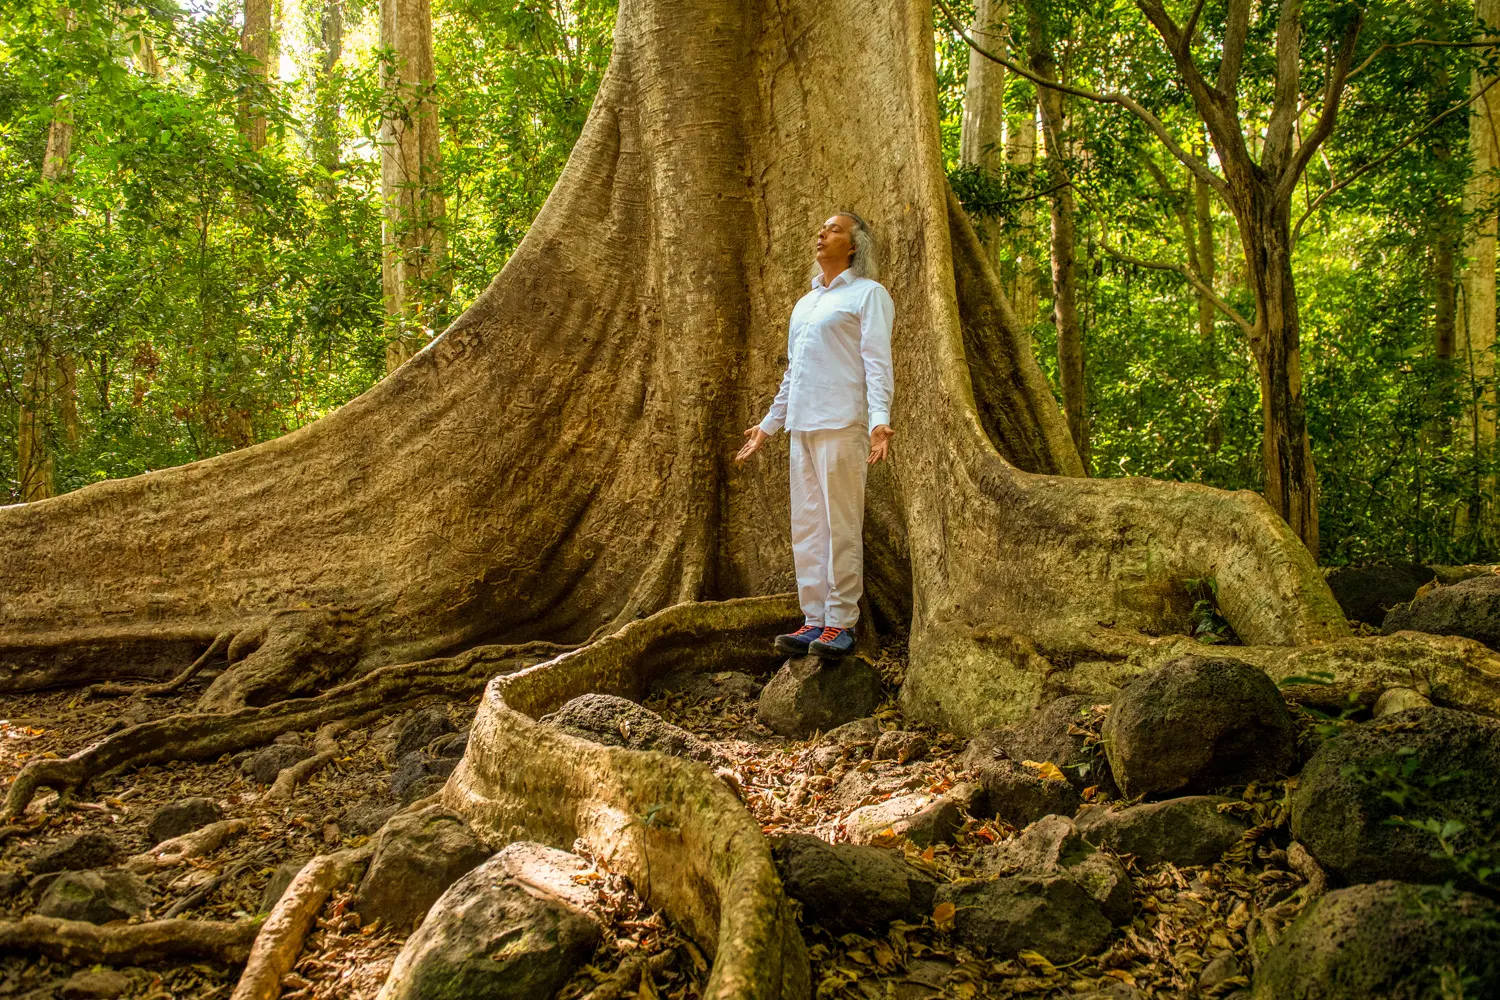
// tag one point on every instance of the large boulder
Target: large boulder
(1192, 830)
(1442, 763)
(493, 935)
(809, 694)
(96, 897)
(1198, 723)
(420, 774)
(183, 816)
(416, 857)
(1367, 593)
(619, 722)
(848, 887)
(1051, 915)
(77, 853)
(1053, 846)
(1470, 609)
(1390, 940)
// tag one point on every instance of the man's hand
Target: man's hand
(754, 438)
(880, 442)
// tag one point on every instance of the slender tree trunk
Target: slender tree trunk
(1024, 292)
(981, 140)
(1476, 336)
(255, 42)
(1203, 225)
(413, 265)
(1291, 480)
(1064, 263)
(328, 111)
(46, 375)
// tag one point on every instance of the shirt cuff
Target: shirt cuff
(878, 417)
(770, 426)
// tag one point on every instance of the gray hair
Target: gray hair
(864, 261)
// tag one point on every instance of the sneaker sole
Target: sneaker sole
(827, 652)
(790, 647)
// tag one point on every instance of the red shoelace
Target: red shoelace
(829, 634)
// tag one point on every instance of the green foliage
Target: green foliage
(204, 295)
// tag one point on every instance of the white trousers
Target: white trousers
(828, 521)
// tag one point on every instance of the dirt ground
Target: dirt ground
(1183, 915)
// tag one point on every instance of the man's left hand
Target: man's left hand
(880, 442)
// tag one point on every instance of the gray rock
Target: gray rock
(281, 877)
(1019, 794)
(548, 870)
(492, 935)
(809, 695)
(846, 887)
(413, 777)
(1340, 812)
(1053, 846)
(696, 686)
(1046, 736)
(1051, 915)
(72, 854)
(420, 728)
(1367, 593)
(1198, 723)
(900, 746)
(1387, 940)
(453, 746)
(95, 896)
(367, 816)
(618, 722)
(183, 816)
(852, 741)
(921, 818)
(1470, 609)
(1185, 831)
(94, 984)
(264, 766)
(417, 856)
(11, 882)
(1221, 967)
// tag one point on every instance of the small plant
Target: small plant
(1208, 625)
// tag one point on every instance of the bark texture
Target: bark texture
(557, 463)
(413, 239)
(1476, 345)
(255, 42)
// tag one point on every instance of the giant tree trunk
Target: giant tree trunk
(413, 239)
(1064, 240)
(557, 463)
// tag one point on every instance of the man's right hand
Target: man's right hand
(754, 438)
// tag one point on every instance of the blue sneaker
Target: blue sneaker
(834, 642)
(795, 643)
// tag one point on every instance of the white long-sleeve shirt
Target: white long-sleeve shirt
(838, 352)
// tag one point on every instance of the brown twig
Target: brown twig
(218, 646)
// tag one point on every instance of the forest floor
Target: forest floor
(1183, 915)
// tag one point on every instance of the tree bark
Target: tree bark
(1204, 258)
(1070, 361)
(557, 462)
(413, 268)
(328, 111)
(981, 140)
(255, 42)
(1476, 336)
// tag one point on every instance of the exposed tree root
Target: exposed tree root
(208, 888)
(206, 736)
(171, 853)
(281, 936)
(626, 978)
(83, 943)
(217, 648)
(681, 836)
(325, 750)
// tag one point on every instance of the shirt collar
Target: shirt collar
(844, 277)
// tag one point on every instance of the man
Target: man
(835, 402)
